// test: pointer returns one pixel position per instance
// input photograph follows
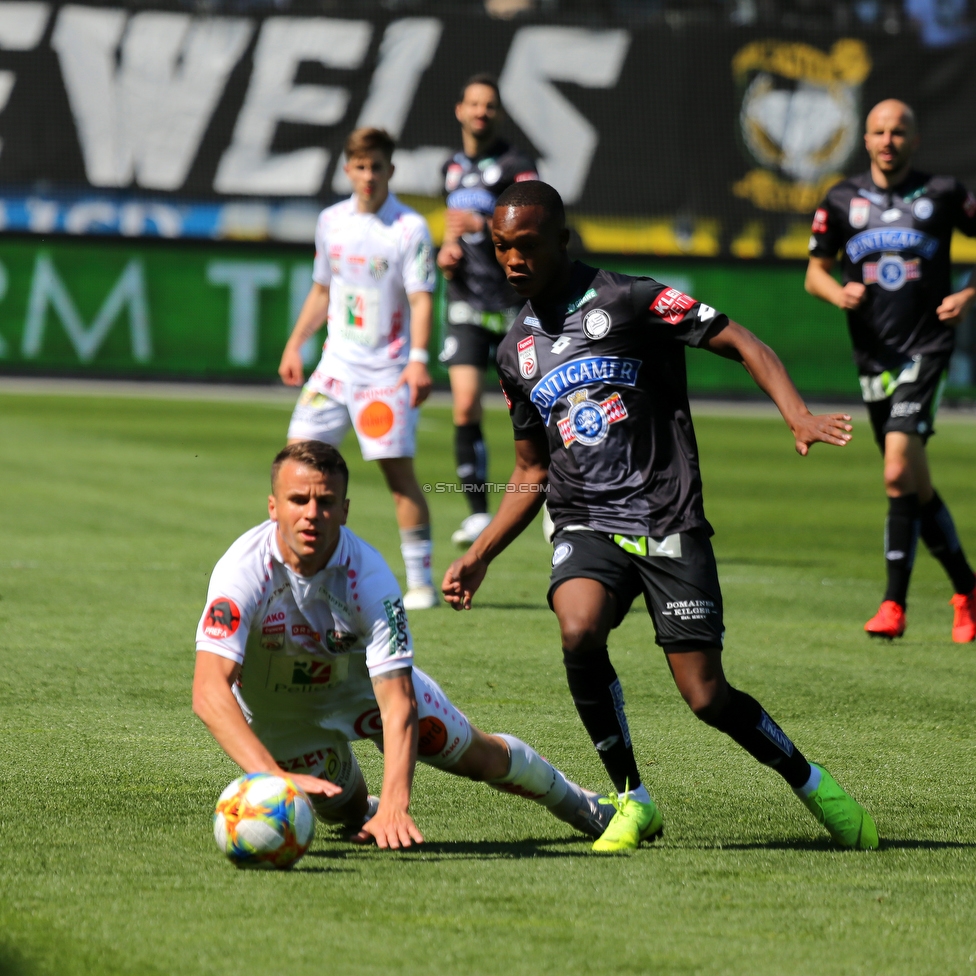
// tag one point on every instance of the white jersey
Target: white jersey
(307, 645)
(370, 262)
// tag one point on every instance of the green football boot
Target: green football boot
(847, 822)
(633, 822)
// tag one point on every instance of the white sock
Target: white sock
(640, 795)
(530, 775)
(811, 784)
(416, 549)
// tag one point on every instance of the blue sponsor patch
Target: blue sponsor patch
(581, 372)
(531, 321)
(891, 239)
(473, 198)
(775, 734)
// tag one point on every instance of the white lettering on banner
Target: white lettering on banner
(142, 89)
(406, 52)
(21, 28)
(300, 284)
(540, 55)
(245, 279)
(248, 165)
(47, 288)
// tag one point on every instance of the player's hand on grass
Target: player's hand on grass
(462, 579)
(823, 428)
(954, 307)
(415, 375)
(852, 295)
(390, 829)
(291, 369)
(314, 786)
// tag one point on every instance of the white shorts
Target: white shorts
(445, 734)
(385, 423)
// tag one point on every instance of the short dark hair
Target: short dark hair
(367, 139)
(482, 78)
(535, 193)
(313, 454)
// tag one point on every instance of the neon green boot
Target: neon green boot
(632, 823)
(847, 822)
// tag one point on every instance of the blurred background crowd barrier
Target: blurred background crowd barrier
(162, 166)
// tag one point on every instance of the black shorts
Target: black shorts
(906, 400)
(677, 575)
(470, 344)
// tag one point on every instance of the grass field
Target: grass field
(114, 512)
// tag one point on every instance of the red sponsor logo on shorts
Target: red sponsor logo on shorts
(222, 618)
(433, 736)
(529, 174)
(671, 305)
(369, 723)
(820, 221)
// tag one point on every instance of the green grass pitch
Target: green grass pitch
(114, 512)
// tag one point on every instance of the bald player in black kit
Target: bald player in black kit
(593, 369)
(893, 226)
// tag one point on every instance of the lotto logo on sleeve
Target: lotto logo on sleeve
(671, 305)
(820, 221)
(221, 619)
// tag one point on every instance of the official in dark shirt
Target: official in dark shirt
(893, 226)
(481, 304)
(594, 372)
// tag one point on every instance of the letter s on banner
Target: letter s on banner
(541, 55)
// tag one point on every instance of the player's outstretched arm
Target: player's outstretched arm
(764, 366)
(955, 307)
(523, 498)
(215, 705)
(820, 283)
(315, 311)
(393, 826)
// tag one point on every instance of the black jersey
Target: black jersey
(602, 377)
(896, 242)
(475, 184)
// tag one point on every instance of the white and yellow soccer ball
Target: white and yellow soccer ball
(263, 821)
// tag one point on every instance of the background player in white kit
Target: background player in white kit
(304, 645)
(372, 281)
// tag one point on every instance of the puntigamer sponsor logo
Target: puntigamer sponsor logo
(894, 239)
(580, 372)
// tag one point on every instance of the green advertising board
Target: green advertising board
(223, 312)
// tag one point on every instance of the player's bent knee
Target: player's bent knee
(485, 759)
(582, 635)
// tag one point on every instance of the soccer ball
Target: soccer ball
(263, 821)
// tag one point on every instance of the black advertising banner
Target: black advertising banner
(709, 142)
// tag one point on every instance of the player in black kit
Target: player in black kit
(594, 371)
(481, 305)
(893, 226)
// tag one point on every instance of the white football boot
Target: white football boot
(470, 529)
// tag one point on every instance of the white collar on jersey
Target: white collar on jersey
(386, 212)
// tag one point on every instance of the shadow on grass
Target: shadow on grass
(824, 844)
(491, 605)
(470, 850)
(12, 963)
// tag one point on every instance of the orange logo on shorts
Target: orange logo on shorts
(433, 736)
(376, 419)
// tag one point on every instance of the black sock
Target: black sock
(472, 465)
(901, 539)
(939, 534)
(746, 721)
(599, 700)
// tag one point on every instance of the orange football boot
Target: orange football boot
(889, 621)
(964, 621)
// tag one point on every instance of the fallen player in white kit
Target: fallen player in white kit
(372, 280)
(304, 646)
